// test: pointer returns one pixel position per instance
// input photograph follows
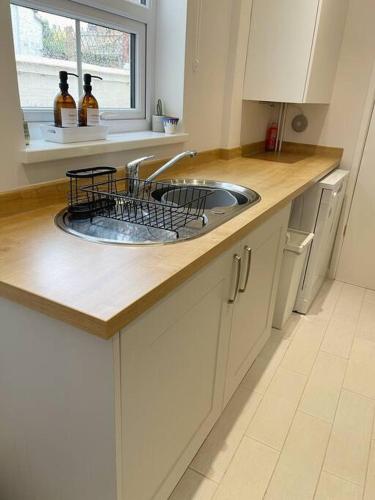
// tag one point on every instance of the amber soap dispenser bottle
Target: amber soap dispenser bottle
(65, 109)
(88, 108)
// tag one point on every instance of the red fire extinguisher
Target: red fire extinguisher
(271, 137)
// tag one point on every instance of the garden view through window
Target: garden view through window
(46, 43)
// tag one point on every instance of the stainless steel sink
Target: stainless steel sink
(220, 210)
(239, 194)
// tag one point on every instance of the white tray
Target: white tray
(74, 134)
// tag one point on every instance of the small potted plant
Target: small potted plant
(170, 124)
(157, 119)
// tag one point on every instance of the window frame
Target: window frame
(132, 18)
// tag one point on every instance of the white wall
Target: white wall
(214, 87)
(208, 39)
(11, 134)
(212, 93)
(214, 113)
(256, 117)
(170, 55)
(12, 172)
(358, 246)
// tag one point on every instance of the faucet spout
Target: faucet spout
(171, 162)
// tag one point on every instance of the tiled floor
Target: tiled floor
(301, 425)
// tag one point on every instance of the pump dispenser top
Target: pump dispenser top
(88, 108)
(87, 81)
(64, 80)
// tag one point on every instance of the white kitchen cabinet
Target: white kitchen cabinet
(181, 360)
(172, 375)
(57, 412)
(293, 49)
(251, 318)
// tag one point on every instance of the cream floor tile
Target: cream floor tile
(272, 421)
(366, 323)
(322, 391)
(275, 413)
(349, 444)
(334, 488)
(214, 456)
(264, 367)
(288, 385)
(339, 336)
(193, 486)
(297, 472)
(349, 302)
(326, 299)
(341, 329)
(249, 473)
(304, 347)
(370, 479)
(360, 375)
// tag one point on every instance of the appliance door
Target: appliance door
(318, 260)
(305, 208)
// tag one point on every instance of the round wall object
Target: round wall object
(300, 123)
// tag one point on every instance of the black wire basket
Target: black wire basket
(97, 192)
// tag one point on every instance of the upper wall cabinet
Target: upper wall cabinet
(293, 50)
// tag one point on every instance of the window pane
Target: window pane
(44, 45)
(106, 53)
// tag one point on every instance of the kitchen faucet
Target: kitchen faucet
(132, 168)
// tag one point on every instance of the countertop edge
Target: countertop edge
(52, 309)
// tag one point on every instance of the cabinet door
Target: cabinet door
(326, 50)
(171, 388)
(253, 308)
(279, 49)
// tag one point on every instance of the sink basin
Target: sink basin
(243, 195)
(217, 199)
(226, 201)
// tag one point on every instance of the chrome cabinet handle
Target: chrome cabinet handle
(237, 261)
(248, 252)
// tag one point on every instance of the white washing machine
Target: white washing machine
(318, 211)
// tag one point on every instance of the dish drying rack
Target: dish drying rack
(98, 192)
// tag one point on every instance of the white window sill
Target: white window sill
(40, 150)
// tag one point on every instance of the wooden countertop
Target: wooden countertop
(100, 288)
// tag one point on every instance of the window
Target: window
(80, 40)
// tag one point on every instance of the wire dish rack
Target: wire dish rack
(98, 192)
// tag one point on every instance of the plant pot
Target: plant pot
(170, 124)
(157, 123)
